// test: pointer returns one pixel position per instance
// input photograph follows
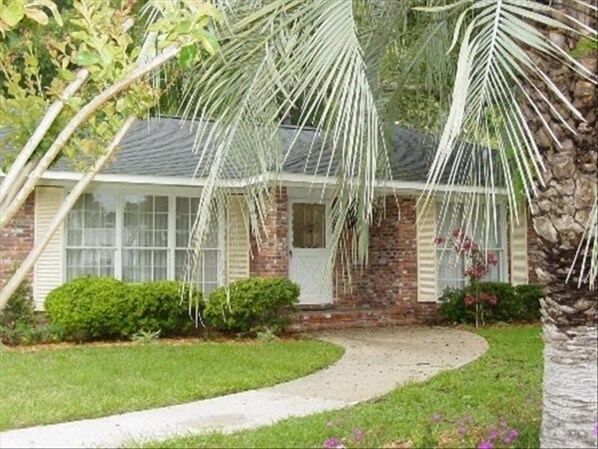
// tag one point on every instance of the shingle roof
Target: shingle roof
(163, 147)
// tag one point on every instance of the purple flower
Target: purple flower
(333, 443)
(507, 440)
(437, 417)
(358, 435)
(492, 435)
(513, 434)
(485, 445)
(461, 430)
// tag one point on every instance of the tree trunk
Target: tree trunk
(570, 387)
(559, 216)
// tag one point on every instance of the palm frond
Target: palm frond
(276, 58)
(495, 76)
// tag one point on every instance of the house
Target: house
(134, 224)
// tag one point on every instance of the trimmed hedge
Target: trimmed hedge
(514, 303)
(91, 308)
(252, 305)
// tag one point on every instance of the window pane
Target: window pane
(91, 236)
(309, 225)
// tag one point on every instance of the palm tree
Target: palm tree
(523, 85)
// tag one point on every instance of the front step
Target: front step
(342, 318)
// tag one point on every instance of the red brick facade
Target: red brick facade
(272, 256)
(16, 240)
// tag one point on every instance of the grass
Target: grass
(50, 386)
(500, 392)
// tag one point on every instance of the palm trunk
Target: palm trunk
(559, 216)
(570, 387)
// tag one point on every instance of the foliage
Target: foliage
(513, 303)
(104, 308)
(145, 337)
(252, 305)
(459, 408)
(478, 266)
(90, 381)
(18, 317)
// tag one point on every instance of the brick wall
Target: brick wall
(272, 256)
(16, 240)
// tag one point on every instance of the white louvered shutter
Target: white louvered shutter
(237, 240)
(518, 249)
(47, 273)
(426, 255)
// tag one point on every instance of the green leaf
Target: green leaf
(37, 15)
(187, 56)
(86, 58)
(13, 13)
(208, 41)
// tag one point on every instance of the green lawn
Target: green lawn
(499, 393)
(53, 386)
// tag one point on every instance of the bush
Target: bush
(519, 303)
(529, 296)
(104, 308)
(18, 317)
(255, 304)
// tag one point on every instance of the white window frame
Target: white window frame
(119, 191)
(503, 267)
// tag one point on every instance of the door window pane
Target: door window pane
(309, 225)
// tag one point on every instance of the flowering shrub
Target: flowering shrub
(503, 303)
(477, 267)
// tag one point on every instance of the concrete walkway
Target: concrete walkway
(375, 362)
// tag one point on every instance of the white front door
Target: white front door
(309, 249)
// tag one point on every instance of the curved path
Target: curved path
(375, 362)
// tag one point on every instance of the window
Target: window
(90, 237)
(309, 225)
(145, 238)
(134, 238)
(208, 266)
(451, 266)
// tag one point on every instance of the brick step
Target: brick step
(341, 318)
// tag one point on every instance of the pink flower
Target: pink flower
(333, 443)
(439, 240)
(492, 435)
(461, 430)
(358, 435)
(485, 445)
(492, 259)
(437, 417)
(457, 233)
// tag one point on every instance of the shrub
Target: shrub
(255, 304)
(18, 316)
(104, 308)
(529, 296)
(89, 308)
(157, 307)
(520, 303)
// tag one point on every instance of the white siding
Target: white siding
(426, 255)
(518, 249)
(237, 240)
(47, 273)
